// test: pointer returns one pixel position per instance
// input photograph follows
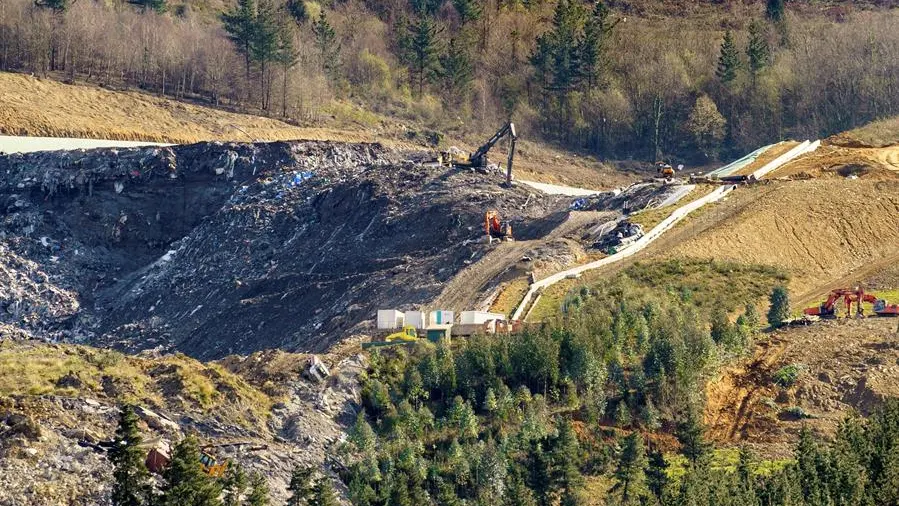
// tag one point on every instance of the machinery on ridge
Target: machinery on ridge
(496, 229)
(850, 296)
(478, 159)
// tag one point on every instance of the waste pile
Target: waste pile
(213, 249)
(636, 197)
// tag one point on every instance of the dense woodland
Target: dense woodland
(582, 412)
(675, 80)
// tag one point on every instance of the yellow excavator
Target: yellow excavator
(478, 159)
(406, 336)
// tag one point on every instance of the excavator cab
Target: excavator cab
(496, 229)
(211, 466)
(665, 170)
(407, 334)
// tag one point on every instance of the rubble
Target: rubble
(213, 249)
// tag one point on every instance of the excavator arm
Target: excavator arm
(479, 157)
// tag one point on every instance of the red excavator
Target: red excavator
(494, 228)
(849, 296)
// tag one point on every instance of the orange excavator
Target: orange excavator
(850, 296)
(496, 229)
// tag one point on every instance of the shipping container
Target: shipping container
(479, 317)
(390, 319)
(441, 317)
(418, 319)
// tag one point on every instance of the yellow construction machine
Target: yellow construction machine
(478, 159)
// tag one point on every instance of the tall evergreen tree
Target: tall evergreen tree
(234, 484)
(779, 311)
(240, 24)
(300, 487)
(258, 495)
(691, 438)
(728, 60)
(758, 50)
(657, 474)
(288, 57)
(422, 55)
(131, 486)
(630, 473)
(592, 46)
(328, 46)
(323, 495)
(775, 10)
(185, 483)
(297, 11)
(266, 46)
(469, 10)
(457, 72)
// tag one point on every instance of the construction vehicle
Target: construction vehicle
(478, 159)
(496, 229)
(210, 464)
(408, 335)
(623, 235)
(850, 296)
(665, 170)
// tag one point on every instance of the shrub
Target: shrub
(787, 375)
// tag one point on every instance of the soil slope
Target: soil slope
(819, 230)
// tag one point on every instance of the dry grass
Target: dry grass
(880, 133)
(510, 296)
(36, 369)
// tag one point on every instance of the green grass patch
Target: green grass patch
(786, 376)
(705, 283)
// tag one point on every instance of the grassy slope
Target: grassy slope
(80, 371)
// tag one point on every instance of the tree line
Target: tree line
(577, 73)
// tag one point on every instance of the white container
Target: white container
(418, 319)
(390, 319)
(441, 317)
(479, 317)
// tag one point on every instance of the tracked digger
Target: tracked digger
(478, 159)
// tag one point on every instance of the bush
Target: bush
(787, 375)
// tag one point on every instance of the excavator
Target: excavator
(478, 159)
(496, 229)
(850, 296)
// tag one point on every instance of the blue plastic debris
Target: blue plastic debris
(299, 177)
(578, 204)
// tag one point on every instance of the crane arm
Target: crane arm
(481, 153)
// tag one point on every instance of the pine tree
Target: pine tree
(300, 487)
(327, 45)
(323, 494)
(422, 58)
(131, 486)
(457, 72)
(691, 438)
(566, 456)
(298, 11)
(729, 59)
(630, 474)
(592, 46)
(258, 491)
(775, 10)
(185, 483)
(240, 24)
(234, 484)
(751, 316)
(288, 57)
(265, 46)
(657, 474)
(780, 307)
(758, 50)
(469, 10)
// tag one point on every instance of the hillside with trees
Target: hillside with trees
(619, 79)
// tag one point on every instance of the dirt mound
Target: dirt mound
(214, 249)
(840, 366)
(831, 161)
(818, 230)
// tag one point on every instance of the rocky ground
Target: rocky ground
(258, 411)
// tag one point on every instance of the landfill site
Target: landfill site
(242, 282)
